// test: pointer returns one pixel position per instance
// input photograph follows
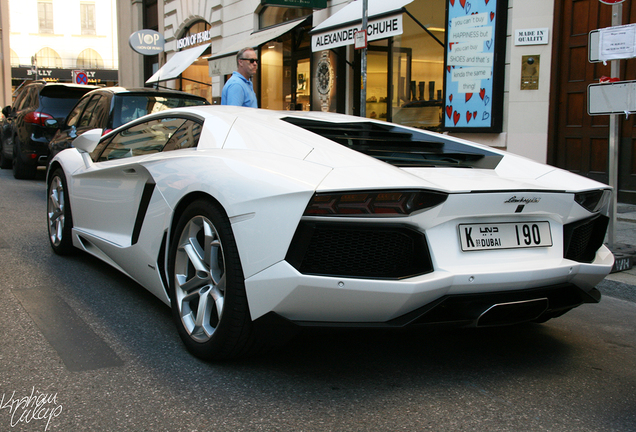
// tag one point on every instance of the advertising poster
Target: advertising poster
(473, 76)
(324, 75)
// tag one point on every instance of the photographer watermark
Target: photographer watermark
(36, 407)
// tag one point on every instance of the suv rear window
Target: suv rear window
(130, 106)
(59, 100)
(400, 146)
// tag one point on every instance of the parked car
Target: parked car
(111, 107)
(238, 218)
(32, 121)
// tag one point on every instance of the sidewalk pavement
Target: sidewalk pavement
(621, 282)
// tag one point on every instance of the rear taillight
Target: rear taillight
(37, 118)
(382, 203)
(594, 200)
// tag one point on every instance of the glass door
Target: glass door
(303, 85)
(377, 79)
(298, 82)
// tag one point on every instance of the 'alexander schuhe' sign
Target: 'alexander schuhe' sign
(376, 29)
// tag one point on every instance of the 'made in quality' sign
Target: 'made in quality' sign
(376, 29)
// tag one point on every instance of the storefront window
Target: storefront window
(285, 73)
(405, 73)
(303, 86)
(271, 74)
(195, 79)
(377, 79)
(48, 58)
(418, 67)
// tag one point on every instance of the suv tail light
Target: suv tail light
(37, 118)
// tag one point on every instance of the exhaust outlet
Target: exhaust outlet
(513, 312)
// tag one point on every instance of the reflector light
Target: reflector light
(395, 203)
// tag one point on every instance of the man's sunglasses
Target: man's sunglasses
(252, 61)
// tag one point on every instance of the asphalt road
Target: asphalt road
(86, 349)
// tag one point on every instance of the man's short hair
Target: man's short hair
(241, 52)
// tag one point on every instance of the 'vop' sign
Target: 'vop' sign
(146, 42)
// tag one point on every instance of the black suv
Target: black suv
(110, 107)
(32, 121)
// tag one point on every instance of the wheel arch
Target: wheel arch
(51, 169)
(179, 209)
(185, 201)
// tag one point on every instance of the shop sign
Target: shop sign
(194, 39)
(314, 4)
(95, 76)
(538, 36)
(381, 28)
(146, 42)
(473, 74)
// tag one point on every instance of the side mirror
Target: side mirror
(88, 141)
(6, 110)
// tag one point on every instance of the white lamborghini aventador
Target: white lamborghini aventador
(239, 218)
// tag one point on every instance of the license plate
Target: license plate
(505, 235)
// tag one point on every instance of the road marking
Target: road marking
(79, 347)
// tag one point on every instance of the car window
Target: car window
(186, 137)
(20, 98)
(85, 120)
(400, 146)
(129, 107)
(59, 100)
(100, 116)
(74, 116)
(141, 139)
(29, 100)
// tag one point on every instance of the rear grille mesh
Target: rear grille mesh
(584, 238)
(349, 250)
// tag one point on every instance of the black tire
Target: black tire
(5, 163)
(58, 212)
(22, 170)
(207, 287)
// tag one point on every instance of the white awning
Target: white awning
(177, 64)
(220, 64)
(352, 13)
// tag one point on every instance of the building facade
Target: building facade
(61, 41)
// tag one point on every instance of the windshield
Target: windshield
(400, 146)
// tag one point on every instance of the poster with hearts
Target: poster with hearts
(473, 81)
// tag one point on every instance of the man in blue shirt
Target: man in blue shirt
(238, 90)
